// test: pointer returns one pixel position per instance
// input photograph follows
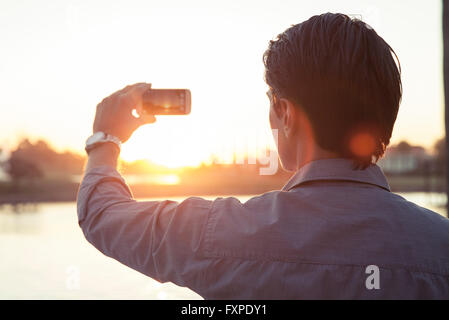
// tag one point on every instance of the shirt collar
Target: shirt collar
(337, 169)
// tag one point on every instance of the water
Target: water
(44, 255)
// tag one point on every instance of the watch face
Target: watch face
(96, 137)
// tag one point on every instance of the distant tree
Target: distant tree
(403, 146)
(46, 159)
(440, 155)
(20, 169)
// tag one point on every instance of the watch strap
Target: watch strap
(107, 138)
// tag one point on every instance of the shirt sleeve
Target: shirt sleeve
(162, 239)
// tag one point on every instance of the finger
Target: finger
(131, 87)
(118, 93)
(128, 87)
(134, 95)
(132, 99)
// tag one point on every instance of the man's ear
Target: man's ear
(288, 116)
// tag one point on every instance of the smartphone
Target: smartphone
(167, 101)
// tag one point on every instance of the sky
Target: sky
(59, 59)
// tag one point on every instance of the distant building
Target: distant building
(404, 158)
(3, 175)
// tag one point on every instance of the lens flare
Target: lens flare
(362, 144)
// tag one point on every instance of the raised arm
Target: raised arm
(162, 239)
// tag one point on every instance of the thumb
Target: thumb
(146, 119)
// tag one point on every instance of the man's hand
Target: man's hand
(114, 114)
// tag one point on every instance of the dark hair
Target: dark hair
(344, 76)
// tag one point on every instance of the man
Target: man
(335, 231)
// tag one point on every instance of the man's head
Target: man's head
(335, 88)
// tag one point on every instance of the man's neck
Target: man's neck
(311, 153)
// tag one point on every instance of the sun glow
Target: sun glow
(190, 141)
(164, 156)
(191, 160)
(161, 179)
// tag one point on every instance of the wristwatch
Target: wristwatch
(99, 138)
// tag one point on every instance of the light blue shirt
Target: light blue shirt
(331, 233)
